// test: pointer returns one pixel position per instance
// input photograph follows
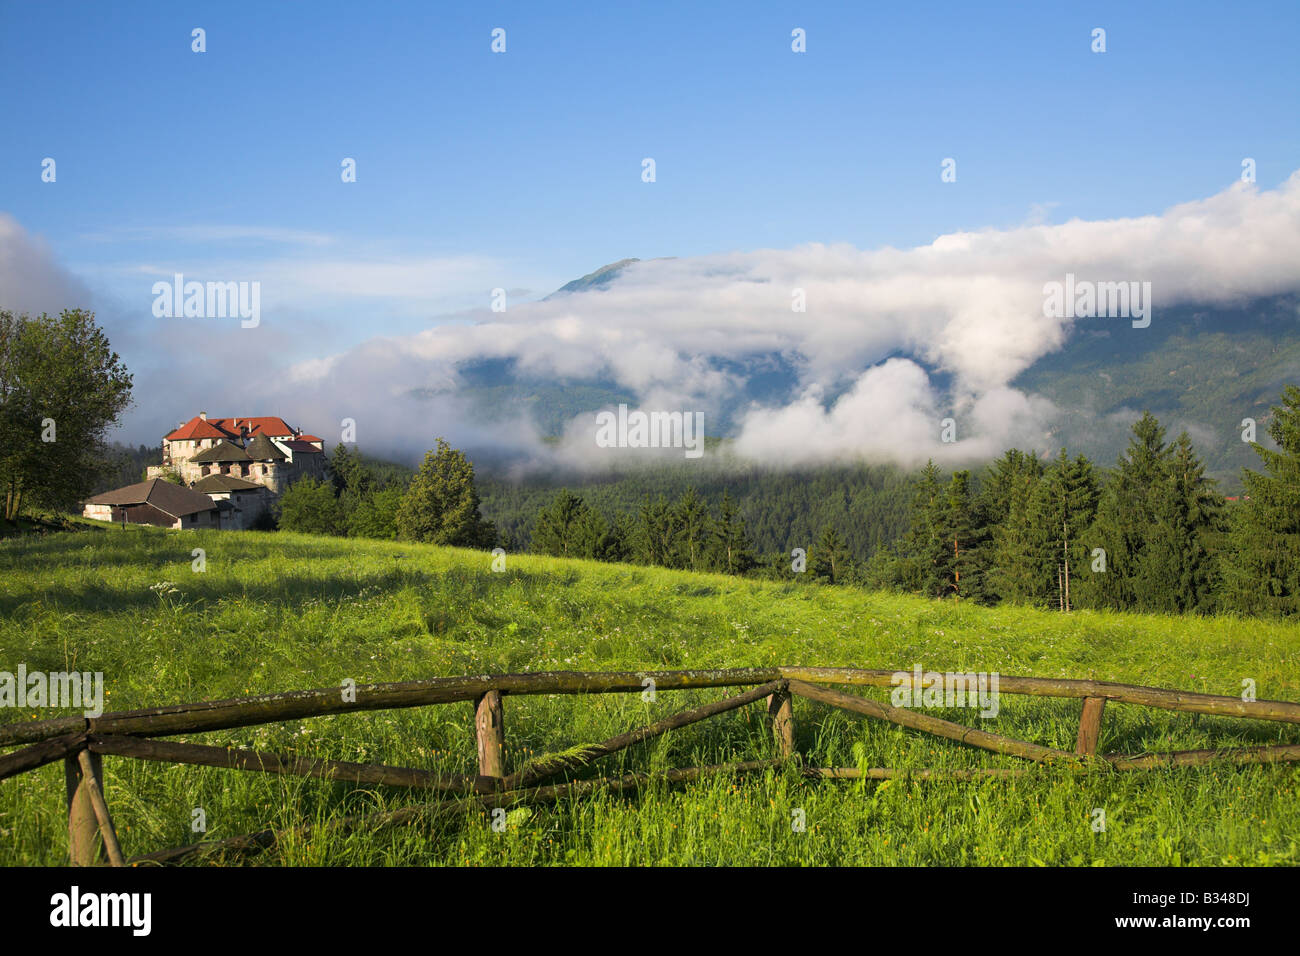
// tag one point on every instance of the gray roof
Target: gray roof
(166, 497)
(223, 484)
(222, 451)
(261, 448)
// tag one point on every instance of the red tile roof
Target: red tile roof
(196, 428)
(270, 425)
(302, 446)
(311, 438)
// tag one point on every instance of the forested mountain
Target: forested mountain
(1202, 369)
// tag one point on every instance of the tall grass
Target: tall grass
(284, 612)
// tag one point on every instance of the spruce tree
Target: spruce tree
(732, 552)
(1177, 572)
(1019, 539)
(830, 560)
(925, 547)
(1125, 516)
(694, 531)
(1001, 480)
(606, 540)
(1262, 565)
(963, 573)
(349, 472)
(656, 533)
(1065, 508)
(564, 528)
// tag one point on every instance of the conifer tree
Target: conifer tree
(1262, 564)
(1065, 508)
(1001, 480)
(349, 473)
(963, 574)
(656, 533)
(1019, 541)
(608, 540)
(925, 547)
(442, 506)
(830, 560)
(565, 527)
(732, 552)
(1125, 516)
(1177, 572)
(694, 527)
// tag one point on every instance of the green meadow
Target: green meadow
(276, 612)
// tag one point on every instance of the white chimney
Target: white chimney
(203, 415)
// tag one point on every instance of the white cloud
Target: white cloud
(968, 306)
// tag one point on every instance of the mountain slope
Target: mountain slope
(1196, 368)
(593, 280)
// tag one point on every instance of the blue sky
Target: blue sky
(523, 170)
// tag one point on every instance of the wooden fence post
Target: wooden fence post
(490, 730)
(1090, 726)
(780, 717)
(92, 779)
(82, 824)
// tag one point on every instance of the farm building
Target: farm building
(156, 502)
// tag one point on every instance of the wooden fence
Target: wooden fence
(81, 742)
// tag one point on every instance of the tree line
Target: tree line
(866, 502)
(1153, 534)
(683, 534)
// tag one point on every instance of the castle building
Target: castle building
(241, 466)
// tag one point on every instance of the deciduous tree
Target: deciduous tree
(62, 387)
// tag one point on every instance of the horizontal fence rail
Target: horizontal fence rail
(81, 742)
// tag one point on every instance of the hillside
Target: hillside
(281, 612)
(1200, 369)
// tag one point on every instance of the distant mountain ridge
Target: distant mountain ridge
(1203, 368)
(593, 280)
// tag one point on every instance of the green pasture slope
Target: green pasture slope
(279, 612)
